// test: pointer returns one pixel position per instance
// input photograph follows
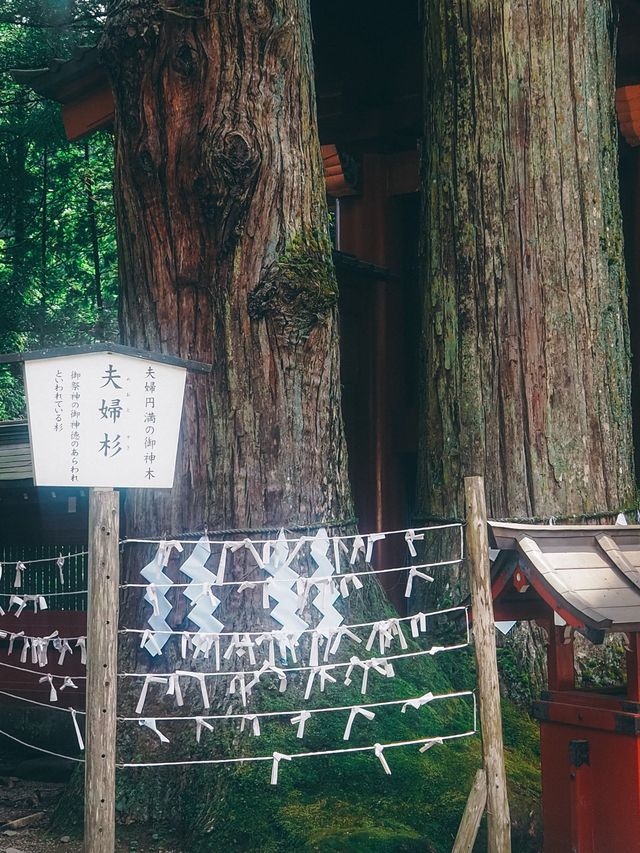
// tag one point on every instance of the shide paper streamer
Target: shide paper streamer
(328, 593)
(200, 593)
(278, 565)
(157, 598)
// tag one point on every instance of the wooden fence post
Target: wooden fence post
(102, 672)
(498, 819)
(472, 815)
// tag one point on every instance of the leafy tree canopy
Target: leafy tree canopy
(57, 286)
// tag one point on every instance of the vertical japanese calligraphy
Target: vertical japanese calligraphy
(75, 425)
(104, 419)
(58, 408)
(150, 422)
(109, 444)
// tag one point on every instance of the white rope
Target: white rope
(42, 704)
(303, 538)
(268, 580)
(293, 755)
(46, 559)
(22, 636)
(309, 579)
(48, 594)
(294, 713)
(40, 673)
(434, 650)
(40, 749)
(279, 631)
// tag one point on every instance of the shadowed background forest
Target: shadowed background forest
(58, 266)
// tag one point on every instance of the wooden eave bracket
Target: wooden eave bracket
(340, 172)
(502, 571)
(628, 112)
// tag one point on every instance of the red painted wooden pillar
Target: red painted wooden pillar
(633, 664)
(560, 659)
(369, 226)
(581, 797)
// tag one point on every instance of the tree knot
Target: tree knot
(300, 288)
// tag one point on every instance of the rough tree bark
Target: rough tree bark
(527, 377)
(225, 257)
(525, 312)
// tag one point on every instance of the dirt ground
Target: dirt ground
(22, 797)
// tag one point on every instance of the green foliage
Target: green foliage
(516, 677)
(602, 666)
(49, 191)
(11, 396)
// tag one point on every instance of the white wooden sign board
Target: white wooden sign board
(104, 419)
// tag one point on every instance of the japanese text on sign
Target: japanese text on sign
(104, 419)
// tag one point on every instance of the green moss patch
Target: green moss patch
(300, 289)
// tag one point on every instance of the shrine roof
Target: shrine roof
(589, 574)
(15, 452)
(132, 352)
(64, 80)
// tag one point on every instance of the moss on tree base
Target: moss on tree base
(344, 804)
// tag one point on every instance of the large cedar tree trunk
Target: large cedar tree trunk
(225, 258)
(525, 312)
(527, 377)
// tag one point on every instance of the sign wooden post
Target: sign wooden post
(498, 818)
(102, 672)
